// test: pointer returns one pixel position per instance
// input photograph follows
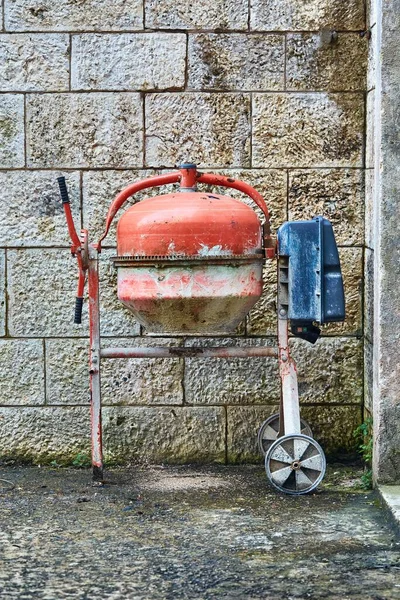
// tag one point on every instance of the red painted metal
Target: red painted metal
(190, 242)
(199, 296)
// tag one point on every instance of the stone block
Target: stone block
(236, 61)
(165, 434)
(262, 319)
(369, 294)
(332, 427)
(211, 129)
(34, 62)
(330, 372)
(232, 381)
(126, 61)
(296, 15)
(66, 15)
(2, 293)
(41, 435)
(42, 288)
(84, 130)
(370, 133)
(369, 208)
(25, 358)
(123, 381)
(336, 194)
(313, 64)
(308, 130)
(32, 213)
(12, 153)
(351, 262)
(220, 14)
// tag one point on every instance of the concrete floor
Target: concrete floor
(180, 532)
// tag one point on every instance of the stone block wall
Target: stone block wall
(109, 92)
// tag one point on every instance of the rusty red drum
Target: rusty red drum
(189, 262)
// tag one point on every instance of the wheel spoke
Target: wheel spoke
(314, 462)
(300, 446)
(302, 481)
(269, 434)
(281, 455)
(281, 475)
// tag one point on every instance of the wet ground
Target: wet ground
(180, 532)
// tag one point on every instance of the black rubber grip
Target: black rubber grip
(78, 310)
(63, 190)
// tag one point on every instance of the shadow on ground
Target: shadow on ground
(187, 532)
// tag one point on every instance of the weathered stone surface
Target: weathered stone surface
(370, 133)
(12, 131)
(123, 381)
(211, 129)
(236, 61)
(67, 15)
(44, 434)
(313, 64)
(31, 209)
(351, 262)
(332, 427)
(280, 15)
(369, 294)
(126, 61)
(171, 434)
(233, 381)
(262, 319)
(83, 130)
(220, 14)
(2, 293)
(36, 62)
(22, 372)
(336, 194)
(244, 423)
(387, 297)
(369, 208)
(100, 189)
(42, 288)
(330, 372)
(307, 130)
(368, 376)
(371, 62)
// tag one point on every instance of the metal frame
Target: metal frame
(88, 261)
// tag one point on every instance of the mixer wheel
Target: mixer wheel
(295, 464)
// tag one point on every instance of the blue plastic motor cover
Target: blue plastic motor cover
(315, 284)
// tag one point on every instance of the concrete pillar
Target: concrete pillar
(386, 232)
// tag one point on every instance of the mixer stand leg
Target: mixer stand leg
(289, 409)
(94, 365)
